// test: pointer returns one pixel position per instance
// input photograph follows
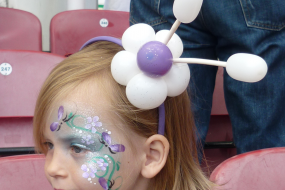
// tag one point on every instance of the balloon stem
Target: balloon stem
(172, 31)
(200, 61)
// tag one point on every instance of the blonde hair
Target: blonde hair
(182, 170)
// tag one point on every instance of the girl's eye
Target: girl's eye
(78, 150)
(49, 145)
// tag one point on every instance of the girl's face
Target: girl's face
(87, 150)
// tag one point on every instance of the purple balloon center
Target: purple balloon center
(154, 58)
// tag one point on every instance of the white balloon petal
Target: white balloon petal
(246, 67)
(136, 36)
(146, 92)
(124, 67)
(177, 79)
(186, 10)
(175, 43)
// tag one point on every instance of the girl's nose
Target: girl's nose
(55, 165)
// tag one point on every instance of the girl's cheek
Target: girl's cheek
(100, 167)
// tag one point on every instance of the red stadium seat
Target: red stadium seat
(25, 172)
(219, 104)
(19, 92)
(69, 30)
(257, 170)
(220, 128)
(19, 30)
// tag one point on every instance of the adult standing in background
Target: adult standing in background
(223, 28)
(117, 5)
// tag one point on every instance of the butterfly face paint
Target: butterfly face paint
(84, 131)
(56, 125)
(106, 141)
(104, 183)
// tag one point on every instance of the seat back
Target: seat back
(19, 30)
(257, 170)
(19, 92)
(219, 104)
(25, 172)
(69, 30)
(220, 128)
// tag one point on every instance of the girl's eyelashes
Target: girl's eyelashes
(75, 148)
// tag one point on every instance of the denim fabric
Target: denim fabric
(223, 28)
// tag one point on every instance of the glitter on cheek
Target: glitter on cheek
(100, 165)
(94, 166)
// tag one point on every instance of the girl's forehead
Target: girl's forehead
(85, 109)
(88, 97)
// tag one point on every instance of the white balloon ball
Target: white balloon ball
(146, 92)
(186, 10)
(246, 67)
(124, 67)
(177, 79)
(175, 43)
(136, 36)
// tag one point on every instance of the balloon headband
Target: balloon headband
(161, 109)
(102, 38)
(150, 66)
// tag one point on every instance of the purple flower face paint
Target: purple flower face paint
(88, 171)
(102, 164)
(92, 123)
(87, 139)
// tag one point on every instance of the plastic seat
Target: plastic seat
(69, 30)
(219, 104)
(25, 172)
(257, 170)
(19, 30)
(19, 92)
(220, 128)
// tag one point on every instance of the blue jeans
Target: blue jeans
(223, 28)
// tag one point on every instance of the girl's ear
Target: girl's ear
(155, 154)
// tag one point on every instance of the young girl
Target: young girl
(94, 138)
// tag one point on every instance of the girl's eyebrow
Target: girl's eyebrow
(46, 139)
(70, 137)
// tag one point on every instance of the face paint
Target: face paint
(88, 133)
(106, 141)
(92, 123)
(57, 125)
